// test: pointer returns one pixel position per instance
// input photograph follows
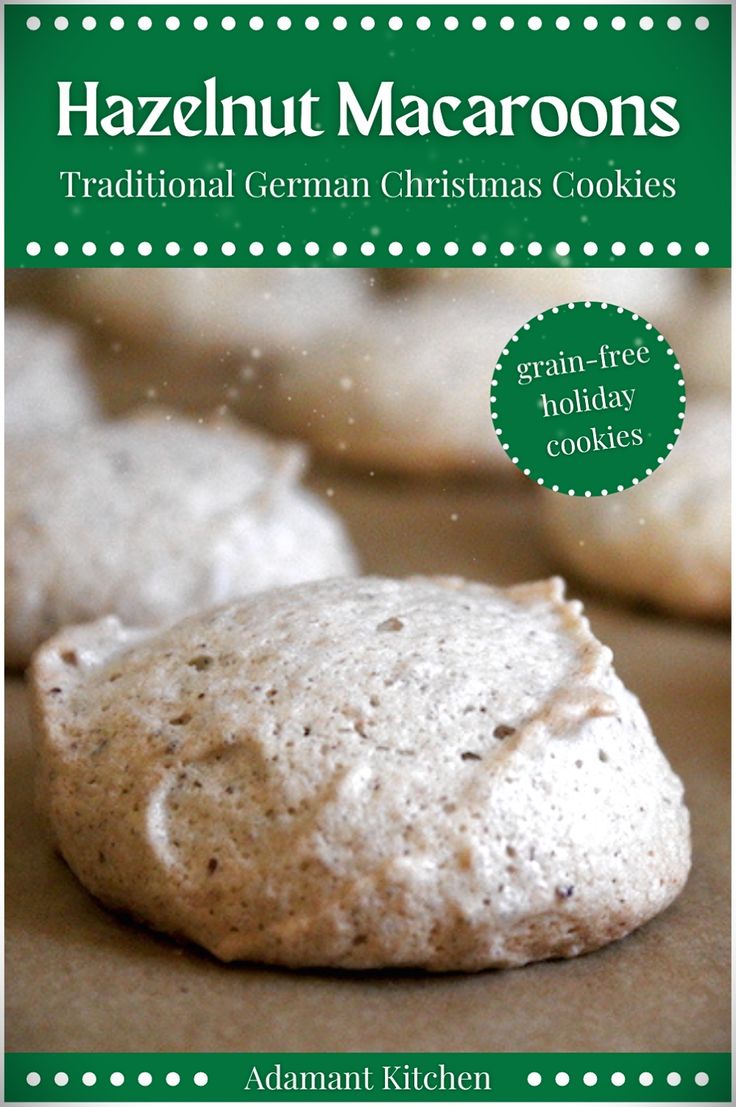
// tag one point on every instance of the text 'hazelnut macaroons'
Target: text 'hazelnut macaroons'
(154, 518)
(362, 773)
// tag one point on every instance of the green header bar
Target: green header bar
(367, 135)
(291, 1077)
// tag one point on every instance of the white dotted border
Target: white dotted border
(117, 1079)
(571, 491)
(367, 249)
(369, 23)
(618, 1079)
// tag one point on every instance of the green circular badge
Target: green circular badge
(587, 399)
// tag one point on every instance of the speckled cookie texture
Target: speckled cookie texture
(360, 774)
(46, 387)
(153, 518)
(666, 541)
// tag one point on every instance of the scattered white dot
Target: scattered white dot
(590, 23)
(33, 23)
(702, 23)
(452, 23)
(562, 23)
(674, 248)
(617, 1079)
(367, 22)
(200, 1079)
(534, 23)
(646, 249)
(339, 22)
(284, 249)
(33, 1079)
(396, 22)
(590, 248)
(701, 1079)
(61, 23)
(200, 249)
(228, 249)
(228, 23)
(424, 23)
(256, 249)
(61, 249)
(200, 23)
(283, 23)
(172, 1079)
(618, 23)
(479, 249)
(479, 23)
(507, 23)
(645, 1078)
(563, 1078)
(673, 1078)
(255, 23)
(535, 249)
(312, 248)
(563, 249)
(145, 23)
(618, 249)
(534, 1079)
(311, 22)
(172, 249)
(339, 249)
(89, 1079)
(423, 248)
(367, 249)
(33, 249)
(172, 23)
(702, 248)
(89, 23)
(674, 23)
(145, 1079)
(117, 1079)
(590, 1079)
(646, 23)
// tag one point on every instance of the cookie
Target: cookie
(703, 344)
(362, 773)
(46, 387)
(224, 308)
(667, 540)
(405, 388)
(152, 519)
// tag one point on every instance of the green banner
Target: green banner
(461, 135)
(336, 1077)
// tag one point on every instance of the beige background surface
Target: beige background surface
(81, 979)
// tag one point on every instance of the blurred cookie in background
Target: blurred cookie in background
(153, 518)
(46, 384)
(667, 540)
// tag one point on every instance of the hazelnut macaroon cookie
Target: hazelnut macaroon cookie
(362, 773)
(152, 518)
(46, 386)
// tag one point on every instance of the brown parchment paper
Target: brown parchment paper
(78, 978)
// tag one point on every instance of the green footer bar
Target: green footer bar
(242, 1077)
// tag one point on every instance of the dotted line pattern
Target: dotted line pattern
(618, 1079)
(117, 1079)
(367, 249)
(588, 493)
(368, 23)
